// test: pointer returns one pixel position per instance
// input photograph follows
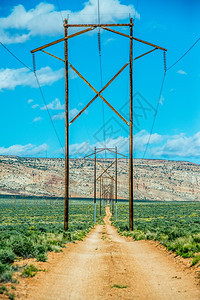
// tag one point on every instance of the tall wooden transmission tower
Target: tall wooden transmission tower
(65, 39)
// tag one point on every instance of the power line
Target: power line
(156, 112)
(148, 142)
(136, 7)
(184, 54)
(166, 69)
(38, 87)
(15, 57)
(100, 66)
(60, 10)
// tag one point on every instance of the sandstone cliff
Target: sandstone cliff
(153, 179)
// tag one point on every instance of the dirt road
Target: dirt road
(91, 269)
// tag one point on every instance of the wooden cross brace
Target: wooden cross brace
(106, 170)
(106, 189)
(98, 94)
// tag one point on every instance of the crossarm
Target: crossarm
(61, 40)
(134, 38)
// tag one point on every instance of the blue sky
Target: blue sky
(26, 129)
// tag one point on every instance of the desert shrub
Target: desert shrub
(40, 249)
(138, 235)
(7, 256)
(23, 246)
(163, 238)
(3, 289)
(121, 225)
(196, 237)
(42, 257)
(54, 248)
(7, 274)
(11, 296)
(3, 267)
(175, 233)
(195, 260)
(127, 233)
(30, 271)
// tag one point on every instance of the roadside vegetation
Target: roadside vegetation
(175, 225)
(31, 229)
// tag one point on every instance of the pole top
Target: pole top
(65, 22)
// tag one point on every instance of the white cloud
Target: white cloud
(61, 116)
(108, 41)
(8, 38)
(45, 20)
(179, 146)
(85, 148)
(121, 142)
(73, 112)
(54, 105)
(181, 72)
(30, 101)
(72, 74)
(161, 100)
(11, 78)
(160, 146)
(37, 119)
(140, 140)
(24, 150)
(47, 76)
(35, 106)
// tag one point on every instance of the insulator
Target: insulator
(165, 63)
(99, 42)
(34, 68)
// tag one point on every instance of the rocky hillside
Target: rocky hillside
(153, 179)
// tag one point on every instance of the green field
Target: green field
(33, 227)
(174, 224)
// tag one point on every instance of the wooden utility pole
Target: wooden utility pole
(131, 131)
(116, 184)
(66, 215)
(100, 194)
(95, 184)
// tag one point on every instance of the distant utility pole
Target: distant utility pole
(105, 171)
(95, 184)
(90, 27)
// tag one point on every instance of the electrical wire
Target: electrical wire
(39, 86)
(34, 71)
(155, 115)
(165, 72)
(100, 66)
(60, 10)
(136, 7)
(184, 54)
(45, 103)
(16, 57)
(77, 91)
